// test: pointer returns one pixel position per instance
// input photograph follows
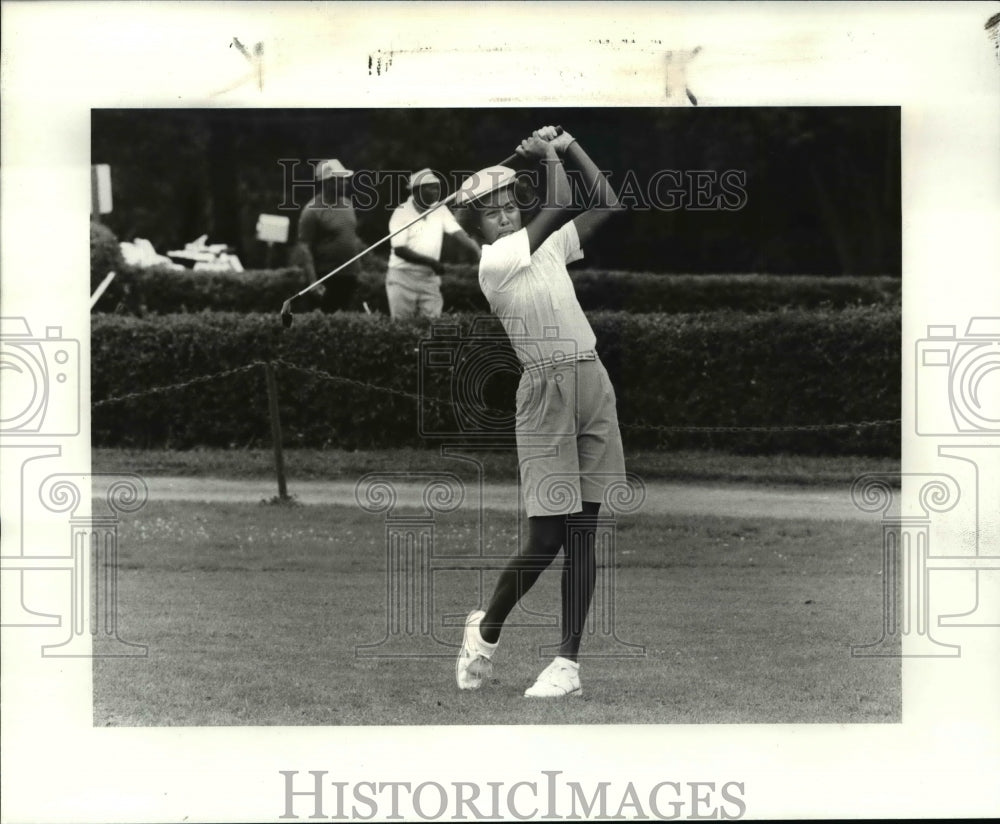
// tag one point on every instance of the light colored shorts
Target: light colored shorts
(413, 294)
(569, 446)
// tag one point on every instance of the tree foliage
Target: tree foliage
(822, 185)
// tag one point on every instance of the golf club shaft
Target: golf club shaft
(100, 289)
(380, 241)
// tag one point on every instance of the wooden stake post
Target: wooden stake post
(272, 406)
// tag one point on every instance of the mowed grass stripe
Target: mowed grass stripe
(252, 615)
(496, 465)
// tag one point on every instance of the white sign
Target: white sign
(100, 189)
(272, 228)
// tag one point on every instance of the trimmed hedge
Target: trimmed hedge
(644, 292)
(782, 368)
(165, 291)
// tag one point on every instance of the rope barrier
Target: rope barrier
(320, 373)
(172, 387)
(371, 387)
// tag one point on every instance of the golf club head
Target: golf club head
(286, 313)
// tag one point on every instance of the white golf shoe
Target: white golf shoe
(558, 679)
(474, 666)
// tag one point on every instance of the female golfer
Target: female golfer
(569, 445)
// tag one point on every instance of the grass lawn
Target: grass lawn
(318, 464)
(252, 614)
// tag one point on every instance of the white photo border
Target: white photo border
(936, 61)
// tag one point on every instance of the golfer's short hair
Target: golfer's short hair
(469, 214)
(468, 218)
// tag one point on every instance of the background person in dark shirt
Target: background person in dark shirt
(327, 236)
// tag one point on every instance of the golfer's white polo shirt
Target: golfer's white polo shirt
(425, 236)
(533, 295)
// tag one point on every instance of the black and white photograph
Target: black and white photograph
(594, 420)
(668, 418)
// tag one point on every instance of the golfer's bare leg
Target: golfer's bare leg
(545, 538)
(578, 577)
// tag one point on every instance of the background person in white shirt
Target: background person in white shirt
(566, 421)
(413, 282)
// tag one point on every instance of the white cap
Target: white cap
(422, 177)
(484, 182)
(332, 168)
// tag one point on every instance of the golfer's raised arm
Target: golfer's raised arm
(601, 200)
(558, 194)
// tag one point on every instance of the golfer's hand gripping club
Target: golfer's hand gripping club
(286, 307)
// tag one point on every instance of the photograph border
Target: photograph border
(939, 62)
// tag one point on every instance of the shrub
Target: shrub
(122, 295)
(165, 291)
(169, 290)
(105, 257)
(786, 368)
(642, 292)
(105, 253)
(354, 379)
(646, 292)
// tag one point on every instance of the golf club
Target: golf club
(286, 307)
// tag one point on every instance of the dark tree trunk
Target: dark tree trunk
(223, 185)
(833, 223)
